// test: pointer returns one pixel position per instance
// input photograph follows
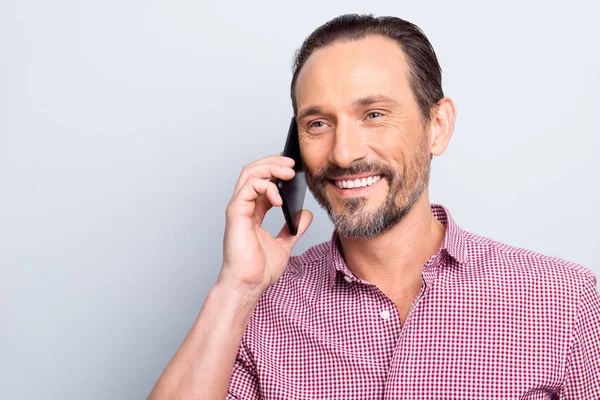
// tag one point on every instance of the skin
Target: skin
(253, 259)
(385, 137)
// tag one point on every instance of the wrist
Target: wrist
(229, 281)
(232, 290)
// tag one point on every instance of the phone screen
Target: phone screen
(292, 191)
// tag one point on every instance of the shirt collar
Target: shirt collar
(453, 244)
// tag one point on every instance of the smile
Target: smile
(356, 183)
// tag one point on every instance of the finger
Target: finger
(244, 202)
(264, 171)
(264, 203)
(276, 158)
(303, 221)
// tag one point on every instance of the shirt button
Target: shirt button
(385, 314)
(347, 278)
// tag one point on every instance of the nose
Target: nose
(348, 145)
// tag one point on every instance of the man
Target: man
(401, 303)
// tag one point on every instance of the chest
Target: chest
(435, 345)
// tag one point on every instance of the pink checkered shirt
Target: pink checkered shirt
(491, 322)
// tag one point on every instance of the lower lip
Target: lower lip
(354, 191)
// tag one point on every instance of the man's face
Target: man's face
(362, 141)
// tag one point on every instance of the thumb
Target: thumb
(286, 238)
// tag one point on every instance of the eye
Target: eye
(377, 114)
(312, 124)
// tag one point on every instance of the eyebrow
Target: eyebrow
(360, 102)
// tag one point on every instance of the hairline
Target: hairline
(355, 37)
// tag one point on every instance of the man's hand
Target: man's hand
(252, 260)
(252, 257)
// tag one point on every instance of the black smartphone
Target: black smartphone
(292, 191)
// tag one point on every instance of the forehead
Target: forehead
(343, 71)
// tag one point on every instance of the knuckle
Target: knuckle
(247, 170)
(257, 184)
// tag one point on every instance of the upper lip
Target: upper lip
(354, 177)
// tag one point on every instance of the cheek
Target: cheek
(395, 145)
(314, 154)
(390, 148)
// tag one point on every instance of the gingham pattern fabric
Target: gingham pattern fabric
(491, 322)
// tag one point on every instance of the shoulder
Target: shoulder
(510, 263)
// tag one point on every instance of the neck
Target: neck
(395, 259)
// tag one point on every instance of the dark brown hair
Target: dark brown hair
(425, 73)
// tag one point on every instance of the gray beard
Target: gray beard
(404, 191)
(354, 222)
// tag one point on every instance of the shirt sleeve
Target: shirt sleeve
(583, 370)
(243, 384)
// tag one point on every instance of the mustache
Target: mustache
(331, 171)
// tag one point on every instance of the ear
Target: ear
(441, 126)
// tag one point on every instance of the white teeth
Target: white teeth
(357, 183)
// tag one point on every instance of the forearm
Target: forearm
(201, 367)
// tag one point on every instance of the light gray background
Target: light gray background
(124, 125)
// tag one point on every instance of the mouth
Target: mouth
(354, 185)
